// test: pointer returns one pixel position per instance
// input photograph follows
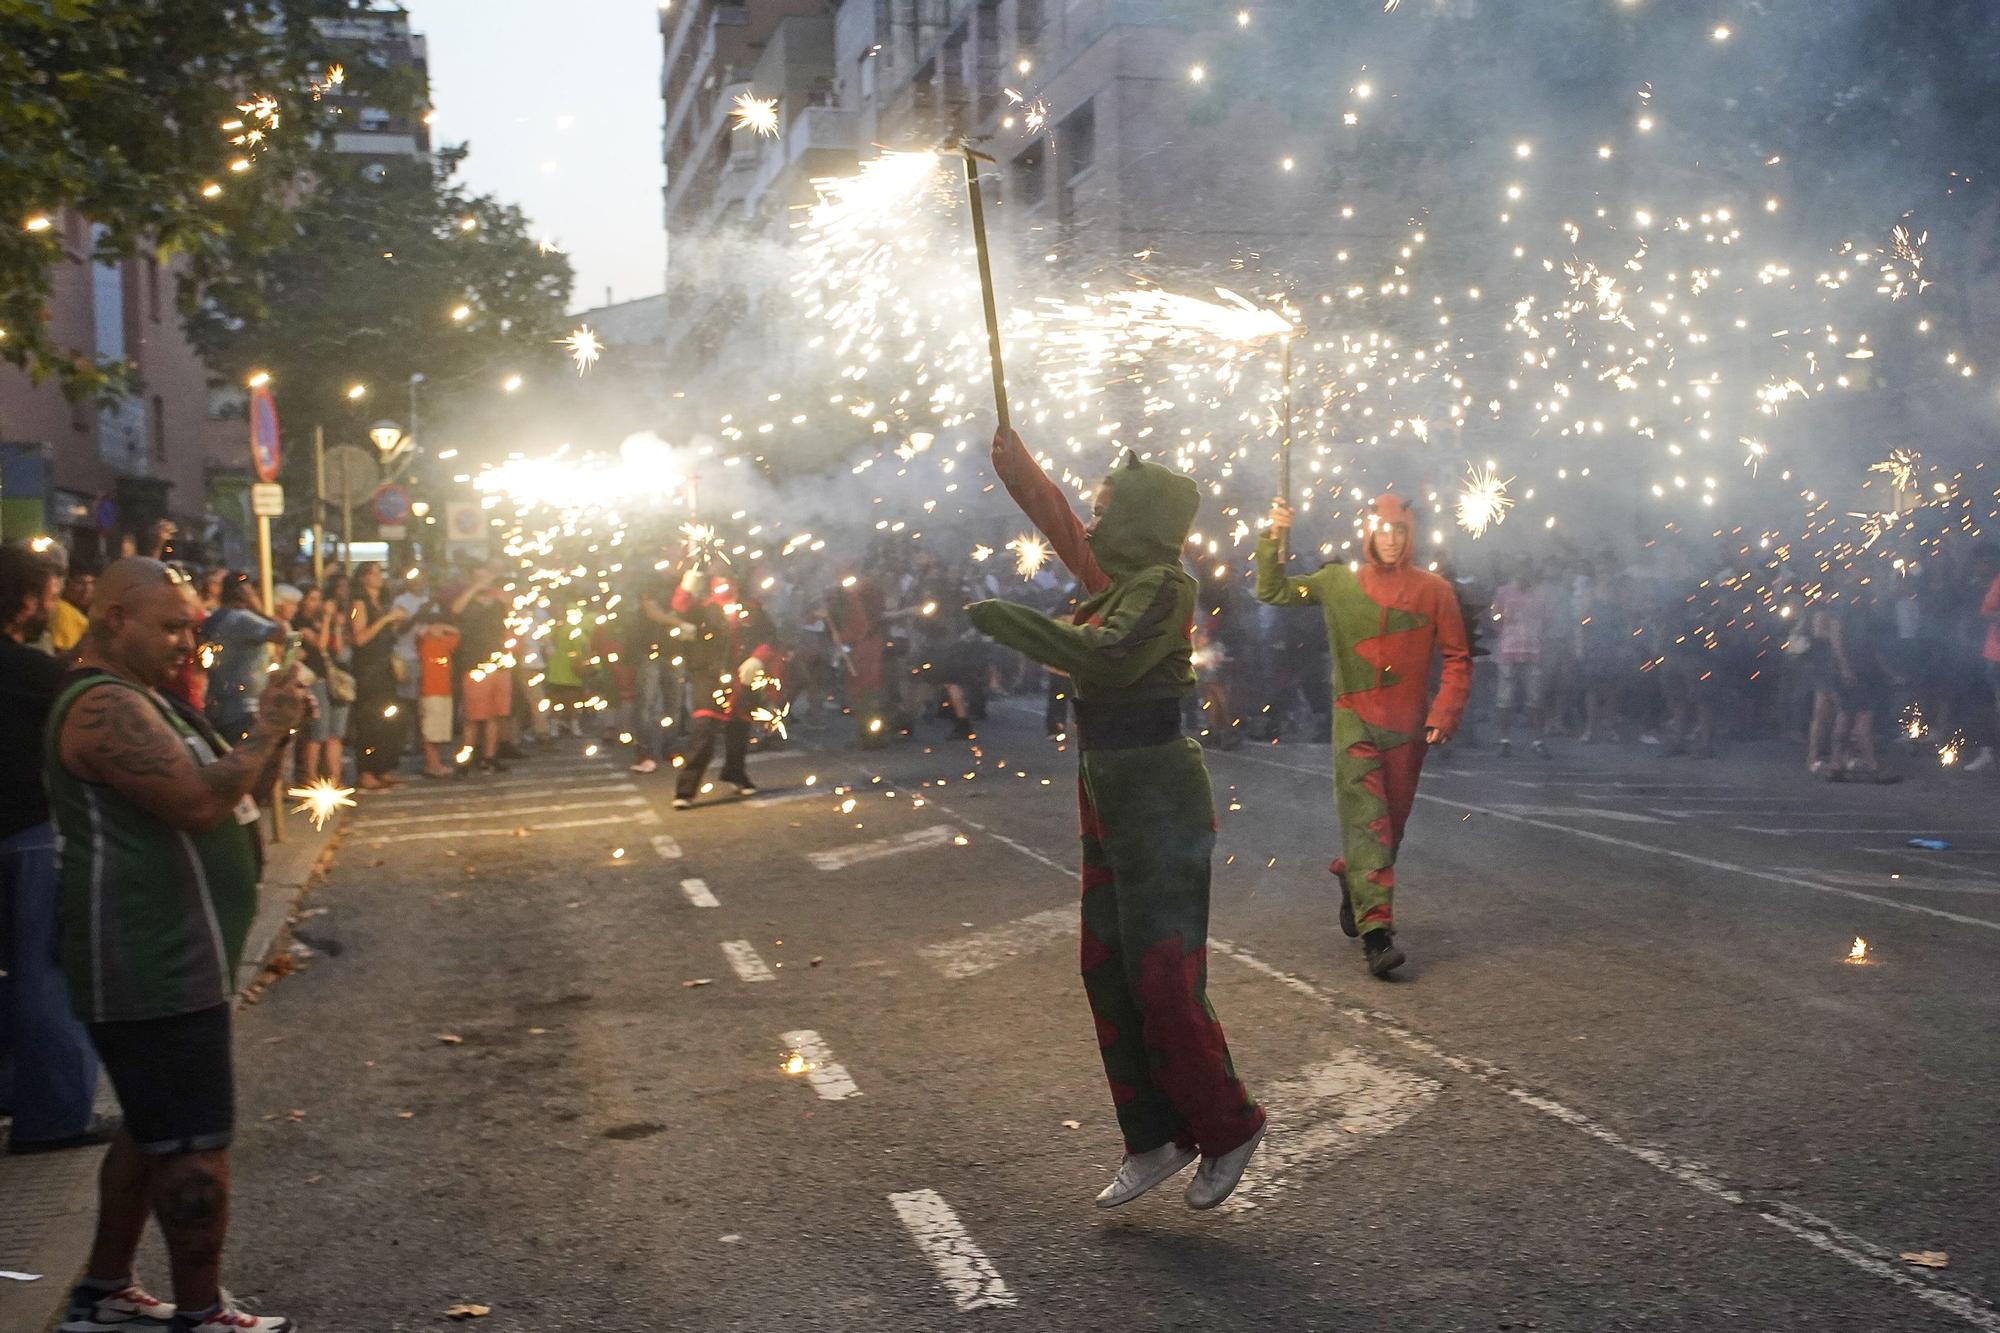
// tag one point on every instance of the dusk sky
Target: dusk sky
(561, 106)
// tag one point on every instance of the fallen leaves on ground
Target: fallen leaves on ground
(1925, 1258)
(467, 1311)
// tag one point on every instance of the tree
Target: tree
(387, 270)
(118, 110)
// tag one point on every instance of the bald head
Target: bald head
(143, 620)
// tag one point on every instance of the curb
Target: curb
(63, 1186)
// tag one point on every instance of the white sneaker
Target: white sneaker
(227, 1318)
(646, 766)
(683, 803)
(119, 1312)
(1216, 1178)
(746, 788)
(1981, 761)
(1139, 1172)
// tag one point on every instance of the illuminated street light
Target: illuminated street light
(258, 379)
(386, 435)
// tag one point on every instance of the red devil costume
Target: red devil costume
(732, 657)
(1383, 625)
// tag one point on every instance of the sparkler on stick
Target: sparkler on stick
(1030, 554)
(972, 160)
(704, 543)
(320, 800)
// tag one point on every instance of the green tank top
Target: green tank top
(153, 919)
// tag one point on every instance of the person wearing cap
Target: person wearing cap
(1385, 622)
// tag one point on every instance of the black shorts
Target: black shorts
(174, 1079)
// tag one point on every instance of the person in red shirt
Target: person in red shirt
(732, 657)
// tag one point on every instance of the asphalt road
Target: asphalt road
(1627, 1081)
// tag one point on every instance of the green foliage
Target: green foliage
(113, 109)
(362, 290)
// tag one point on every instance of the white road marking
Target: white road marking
(829, 1079)
(697, 892)
(964, 1269)
(999, 837)
(1583, 812)
(435, 834)
(666, 848)
(1814, 1230)
(1905, 830)
(1707, 862)
(787, 797)
(1879, 879)
(970, 956)
(474, 787)
(746, 962)
(839, 858)
(368, 825)
(1329, 1110)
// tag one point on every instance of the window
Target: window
(158, 429)
(1077, 141)
(1030, 174)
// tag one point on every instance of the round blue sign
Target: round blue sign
(264, 433)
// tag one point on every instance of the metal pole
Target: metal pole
(319, 504)
(972, 161)
(264, 563)
(346, 536)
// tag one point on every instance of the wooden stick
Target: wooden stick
(986, 284)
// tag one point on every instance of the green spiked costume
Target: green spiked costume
(1383, 625)
(1147, 811)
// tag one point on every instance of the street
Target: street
(819, 1058)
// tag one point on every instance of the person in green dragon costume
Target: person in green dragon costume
(1148, 817)
(1384, 623)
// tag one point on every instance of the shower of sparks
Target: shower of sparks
(1483, 500)
(584, 348)
(1755, 452)
(1949, 752)
(259, 116)
(982, 553)
(1913, 723)
(320, 800)
(757, 114)
(704, 545)
(1903, 268)
(1901, 467)
(335, 76)
(795, 1063)
(774, 720)
(1030, 554)
(1034, 115)
(1857, 952)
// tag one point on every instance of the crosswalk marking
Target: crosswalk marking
(697, 892)
(829, 1079)
(666, 848)
(988, 949)
(433, 835)
(746, 962)
(961, 1266)
(839, 858)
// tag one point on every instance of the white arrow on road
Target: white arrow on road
(1327, 1111)
(839, 858)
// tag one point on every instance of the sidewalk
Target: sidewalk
(48, 1202)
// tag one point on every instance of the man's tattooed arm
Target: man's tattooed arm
(115, 737)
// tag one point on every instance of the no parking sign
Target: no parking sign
(264, 433)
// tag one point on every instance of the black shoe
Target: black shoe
(1383, 956)
(509, 750)
(492, 766)
(102, 1128)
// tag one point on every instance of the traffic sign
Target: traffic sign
(267, 500)
(264, 444)
(351, 475)
(391, 504)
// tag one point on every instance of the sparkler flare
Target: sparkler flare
(1483, 500)
(774, 720)
(704, 544)
(1857, 952)
(320, 800)
(1030, 554)
(584, 348)
(757, 114)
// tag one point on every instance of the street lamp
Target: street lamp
(386, 435)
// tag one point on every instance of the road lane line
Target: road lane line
(666, 848)
(1707, 862)
(365, 825)
(829, 1078)
(1806, 1226)
(787, 797)
(973, 954)
(999, 837)
(839, 858)
(1841, 829)
(698, 893)
(435, 834)
(466, 790)
(745, 962)
(961, 1266)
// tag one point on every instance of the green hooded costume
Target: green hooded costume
(1148, 814)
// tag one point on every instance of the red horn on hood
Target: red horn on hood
(1387, 509)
